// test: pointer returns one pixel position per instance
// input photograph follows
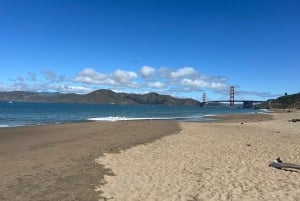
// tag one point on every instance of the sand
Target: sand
(223, 160)
(57, 162)
(152, 160)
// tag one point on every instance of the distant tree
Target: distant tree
(286, 101)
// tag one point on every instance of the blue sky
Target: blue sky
(181, 48)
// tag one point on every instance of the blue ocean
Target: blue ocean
(29, 114)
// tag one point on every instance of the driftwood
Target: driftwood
(294, 120)
(279, 164)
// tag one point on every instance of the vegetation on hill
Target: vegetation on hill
(101, 96)
(283, 102)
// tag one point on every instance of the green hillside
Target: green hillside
(102, 96)
(284, 102)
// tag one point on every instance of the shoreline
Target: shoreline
(203, 118)
(241, 117)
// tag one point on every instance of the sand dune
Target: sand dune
(209, 161)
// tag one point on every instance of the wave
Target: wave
(266, 110)
(118, 118)
(12, 125)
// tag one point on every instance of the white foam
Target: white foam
(265, 110)
(117, 118)
(18, 125)
(209, 115)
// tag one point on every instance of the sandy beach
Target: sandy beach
(152, 160)
(226, 160)
(57, 162)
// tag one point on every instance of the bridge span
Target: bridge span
(246, 103)
(232, 101)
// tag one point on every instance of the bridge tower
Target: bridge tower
(204, 98)
(231, 102)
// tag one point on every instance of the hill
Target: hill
(288, 101)
(102, 96)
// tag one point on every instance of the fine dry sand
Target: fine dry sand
(226, 160)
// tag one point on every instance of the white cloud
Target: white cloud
(123, 77)
(164, 72)
(188, 79)
(198, 83)
(185, 80)
(116, 78)
(89, 75)
(147, 71)
(217, 85)
(73, 89)
(157, 85)
(194, 83)
(183, 72)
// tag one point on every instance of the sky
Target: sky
(182, 48)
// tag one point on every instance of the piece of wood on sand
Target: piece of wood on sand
(279, 164)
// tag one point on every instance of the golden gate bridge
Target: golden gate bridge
(232, 101)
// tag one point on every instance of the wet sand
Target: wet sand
(57, 162)
(242, 118)
(223, 160)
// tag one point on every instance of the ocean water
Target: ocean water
(28, 114)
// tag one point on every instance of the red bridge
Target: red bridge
(232, 101)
